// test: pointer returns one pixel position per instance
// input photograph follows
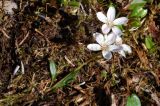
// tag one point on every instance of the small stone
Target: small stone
(8, 7)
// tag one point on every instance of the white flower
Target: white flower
(105, 43)
(110, 22)
(124, 47)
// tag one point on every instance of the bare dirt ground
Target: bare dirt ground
(40, 31)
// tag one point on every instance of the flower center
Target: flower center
(110, 24)
(104, 46)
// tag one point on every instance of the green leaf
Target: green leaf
(137, 3)
(136, 22)
(104, 74)
(67, 79)
(133, 100)
(74, 3)
(149, 42)
(143, 13)
(149, 1)
(52, 67)
(138, 12)
(65, 2)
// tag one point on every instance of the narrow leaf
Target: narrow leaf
(52, 67)
(133, 100)
(149, 43)
(67, 79)
(70, 77)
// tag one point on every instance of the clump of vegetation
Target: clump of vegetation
(46, 53)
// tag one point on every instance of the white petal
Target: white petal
(118, 40)
(122, 53)
(94, 47)
(105, 29)
(126, 48)
(120, 21)
(111, 14)
(99, 37)
(116, 30)
(114, 48)
(101, 17)
(107, 54)
(110, 39)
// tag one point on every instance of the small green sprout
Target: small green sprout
(133, 100)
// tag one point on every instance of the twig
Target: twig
(24, 39)
(20, 5)
(16, 70)
(127, 6)
(69, 61)
(41, 34)
(81, 6)
(4, 33)
(22, 67)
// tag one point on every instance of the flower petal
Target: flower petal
(118, 40)
(99, 37)
(120, 21)
(101, 17)
(107, 54)
(105, 28)
(116, 30)
(122, 53)
(114, 48)
(111, 14)
(94, 47)
(127, 48)
(110, 39)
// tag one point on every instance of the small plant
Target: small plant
(133, 100)
(150, 44)
(137, 12)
